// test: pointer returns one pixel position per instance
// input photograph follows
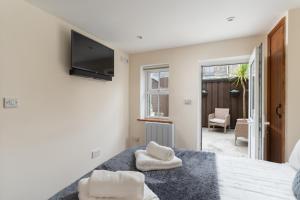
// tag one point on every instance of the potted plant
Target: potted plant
(241, 77)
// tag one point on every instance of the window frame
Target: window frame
(159, 91)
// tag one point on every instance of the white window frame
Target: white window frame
(150, 91)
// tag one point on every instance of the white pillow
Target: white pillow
(294, 160)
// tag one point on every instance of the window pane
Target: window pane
(232, 70)
(164, 79)
(163, 106)
(153, 80)
(157, 100)
(215, 72)
(153, 105)
(208, 71)
(221, 71)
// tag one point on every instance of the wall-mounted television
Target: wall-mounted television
(90, 58)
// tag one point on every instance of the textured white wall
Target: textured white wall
(46, 143)
(292, 81)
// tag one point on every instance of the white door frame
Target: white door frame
(210, 62)
(256, 110)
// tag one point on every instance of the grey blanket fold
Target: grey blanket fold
(195, 180)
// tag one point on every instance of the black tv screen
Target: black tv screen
(90, 57)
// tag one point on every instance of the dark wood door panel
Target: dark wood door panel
(276, 93)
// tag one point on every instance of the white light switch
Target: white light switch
(10, 103)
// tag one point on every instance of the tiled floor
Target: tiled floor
(217, 141)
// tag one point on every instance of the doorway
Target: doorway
(222, 93)
(239, 128)
(276, 93)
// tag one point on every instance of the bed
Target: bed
(206, 176)
(246, 179)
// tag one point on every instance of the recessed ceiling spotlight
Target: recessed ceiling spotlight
(230, 19)
(139, 37)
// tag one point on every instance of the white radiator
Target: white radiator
(161, 133)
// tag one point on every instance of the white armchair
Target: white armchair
(241, 129)
(220, 118)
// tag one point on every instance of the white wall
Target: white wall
(46, 143)
(184, 81)
(292, 81)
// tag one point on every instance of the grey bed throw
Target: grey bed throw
(195, 180)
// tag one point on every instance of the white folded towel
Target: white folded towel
(160, 152)
(83, 189)
(145, 162)
(118, 184)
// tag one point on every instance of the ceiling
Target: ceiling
(168, 23)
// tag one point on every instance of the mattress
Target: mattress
(197, 179)
(238, 178)
(247, 179)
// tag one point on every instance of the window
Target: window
(157, 92)
(219, 72)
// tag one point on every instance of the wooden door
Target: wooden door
(276, 93)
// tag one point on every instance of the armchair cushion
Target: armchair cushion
(218, 121)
